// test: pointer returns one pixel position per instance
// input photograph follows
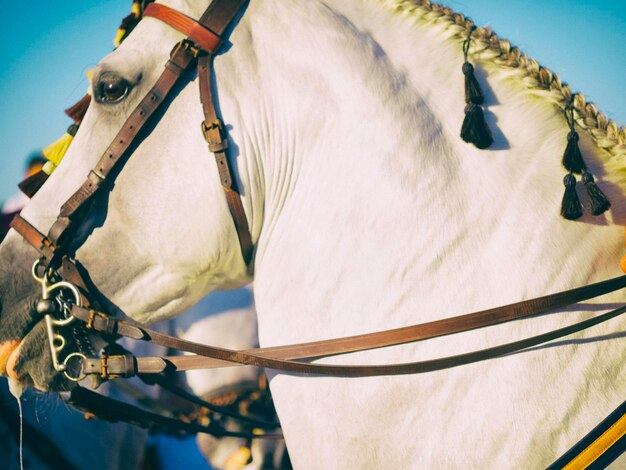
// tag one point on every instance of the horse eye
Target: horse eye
(111, 89)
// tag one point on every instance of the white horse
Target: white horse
(368, 212)
(227, 319)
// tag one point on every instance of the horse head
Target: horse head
(139, 227)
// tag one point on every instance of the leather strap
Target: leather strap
(106, 408)
(103, 323)
(198, 33)
(171, 387)
(220, 14)
(216, 18)
(420, 367)
(33, 236)
(282, 357)
(213, 131)
(72, 211)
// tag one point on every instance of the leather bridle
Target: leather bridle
(203, 42)
(55, 270)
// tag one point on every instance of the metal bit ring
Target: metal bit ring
(81, 375)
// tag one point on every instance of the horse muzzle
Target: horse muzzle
(42, 345)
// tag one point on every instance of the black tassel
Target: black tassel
(474, 128)
(574, 163)
(570, 206)
(31, 185)
(599, 202)
(572, 158)
(473, 93)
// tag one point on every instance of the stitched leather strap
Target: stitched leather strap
(198, 33)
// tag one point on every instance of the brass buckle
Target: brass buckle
(92, 317)
(104, 374)
(45, 243)
(186, 45)
(129, 370)
(218, 145)
(217, 124)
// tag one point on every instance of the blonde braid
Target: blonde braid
(489, 47)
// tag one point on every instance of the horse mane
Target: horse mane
(491, 49)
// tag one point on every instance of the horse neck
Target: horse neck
(369, 192)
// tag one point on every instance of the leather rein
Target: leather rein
(57, 271)
(288, 357)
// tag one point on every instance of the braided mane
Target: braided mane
(491, 49)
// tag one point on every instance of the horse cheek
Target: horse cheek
(18, 290)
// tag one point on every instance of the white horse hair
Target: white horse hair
(368, 212)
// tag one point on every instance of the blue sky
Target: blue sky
(47, 47)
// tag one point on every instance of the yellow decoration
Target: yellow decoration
(118, 37)
(136, 13)
(48, 168)
(238, 459)
(56, 150)
(599, 446)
